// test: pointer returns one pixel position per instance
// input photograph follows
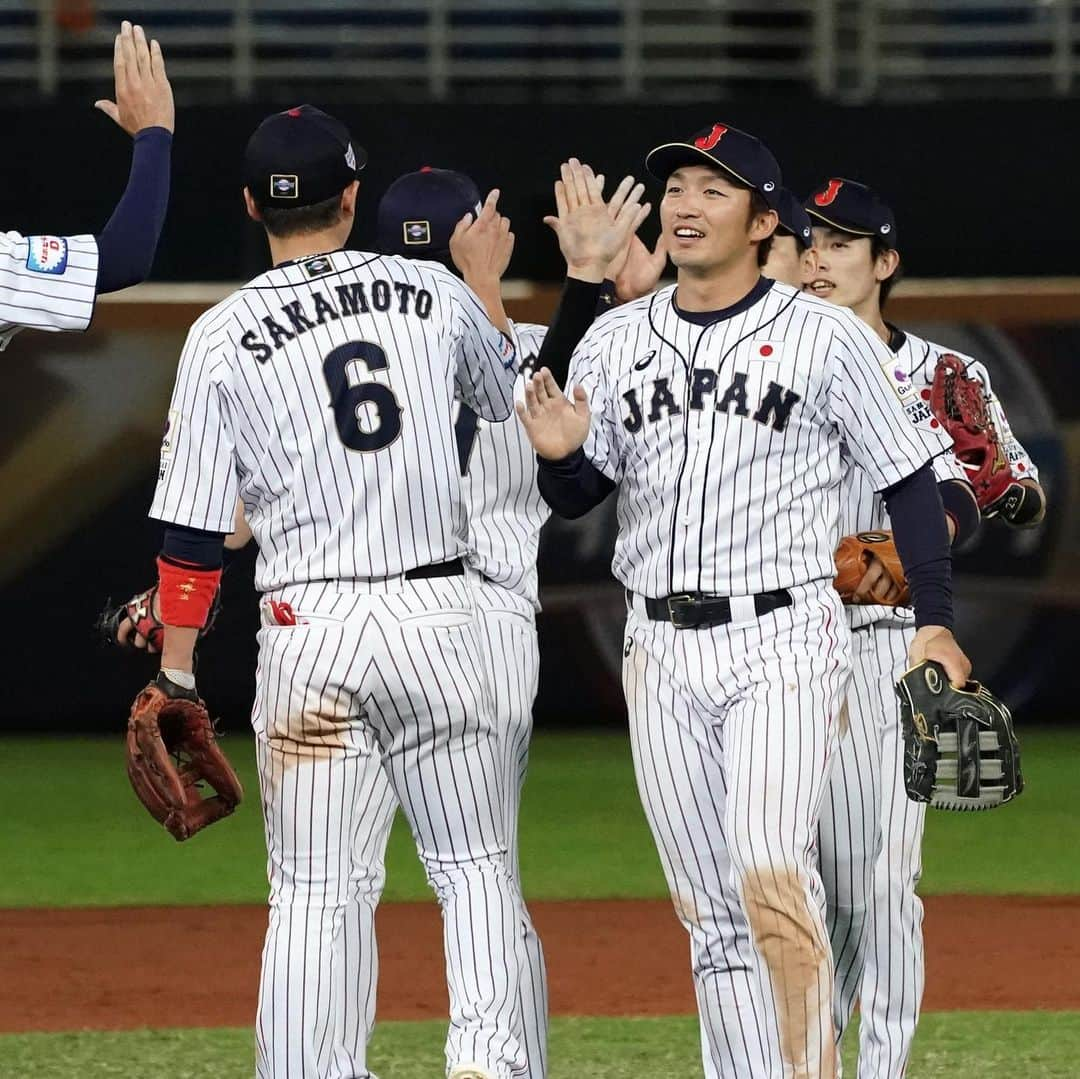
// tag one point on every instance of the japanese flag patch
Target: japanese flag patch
(47, 254)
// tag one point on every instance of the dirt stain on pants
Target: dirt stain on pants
(790, 941)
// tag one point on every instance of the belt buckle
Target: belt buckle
(672, 602)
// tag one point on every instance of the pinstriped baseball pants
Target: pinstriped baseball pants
(394, 675)
(870, 839)
(732, 728)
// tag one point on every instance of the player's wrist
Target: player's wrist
(591, 271)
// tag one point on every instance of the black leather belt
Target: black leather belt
(691, 610)
(456, 568)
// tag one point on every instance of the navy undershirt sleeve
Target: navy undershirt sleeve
(574, 315)
(192, 547)
(922, 541)
(128, 242)
(573, 485)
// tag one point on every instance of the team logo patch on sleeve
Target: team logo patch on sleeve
(47, 254)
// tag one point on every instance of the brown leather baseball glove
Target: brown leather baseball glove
(171, 751)
(958, 402)
(868, 570)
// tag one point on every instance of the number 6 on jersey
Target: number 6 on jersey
(355, 400)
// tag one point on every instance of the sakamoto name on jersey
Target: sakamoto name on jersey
(318, 307)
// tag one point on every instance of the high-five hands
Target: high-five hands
(592, 232)
(144, 97)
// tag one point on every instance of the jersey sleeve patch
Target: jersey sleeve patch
(47, 254)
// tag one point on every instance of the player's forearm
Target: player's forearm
(573, 317)
(572, 485)
(189, 572)
(922, 542)
(489, 293)
(128, 242)
(961, 510)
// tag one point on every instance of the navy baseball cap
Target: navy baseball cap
(300, 157)
(418, 212)
(742, 156)
(852, 207)
(794, 220)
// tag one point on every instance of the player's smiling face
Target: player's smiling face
(845, 272)
(706, 219)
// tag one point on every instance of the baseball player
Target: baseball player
(320, 394)
(791, 258)
(422, 215)
(870, 833)
(718, 406)
(51, 282)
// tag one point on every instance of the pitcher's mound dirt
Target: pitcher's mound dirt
(115, 969)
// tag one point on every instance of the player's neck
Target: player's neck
(870, 313)
(303, 245)
(717, 287)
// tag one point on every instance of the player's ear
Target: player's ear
(249, 205)
(763, 225)
(808, 265)
(886, 263)
(348, 199)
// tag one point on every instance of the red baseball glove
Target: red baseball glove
(170, 727)
(959, 403)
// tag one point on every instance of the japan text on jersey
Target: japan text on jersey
(725, 438)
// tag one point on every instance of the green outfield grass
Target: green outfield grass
(72, 833)
(982, 1044)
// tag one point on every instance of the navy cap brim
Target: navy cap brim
(663, 160)
(838, 225)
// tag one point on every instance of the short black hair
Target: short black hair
(297, 220)
(878, 247)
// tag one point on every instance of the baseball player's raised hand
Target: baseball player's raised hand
(144, 97)
(481, 244)
(636, 270)
(555, 426)
(937, 642)
(591, 232)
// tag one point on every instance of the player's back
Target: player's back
(334, 377)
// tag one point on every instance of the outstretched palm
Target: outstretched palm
(555, 426)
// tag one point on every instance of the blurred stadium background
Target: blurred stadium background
(961, 112)
(958, 111)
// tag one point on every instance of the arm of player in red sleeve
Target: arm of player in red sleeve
(189, 573)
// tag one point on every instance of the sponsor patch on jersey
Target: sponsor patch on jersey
(168, 436)
(645, 360)
(509, 352)
(284, 186)
(416, 232)
(918, 411)
(898, 378)
(318, 266)
(47, 254)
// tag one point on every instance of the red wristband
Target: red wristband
(186, 593)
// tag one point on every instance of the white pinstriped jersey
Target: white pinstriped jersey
(46, 283)
(322, 393)
(725, 439)
(864, 509)
(498, 465)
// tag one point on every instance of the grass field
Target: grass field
(1041, 1045)
(73, 834)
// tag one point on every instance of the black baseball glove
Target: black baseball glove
(960, 751)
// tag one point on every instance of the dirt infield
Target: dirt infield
(122, 968)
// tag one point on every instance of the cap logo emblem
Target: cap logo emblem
(284, 187)
(416, 232)
(886, 228)
(768, 185)
(824, 198)
(350, 157)
(707, 142)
